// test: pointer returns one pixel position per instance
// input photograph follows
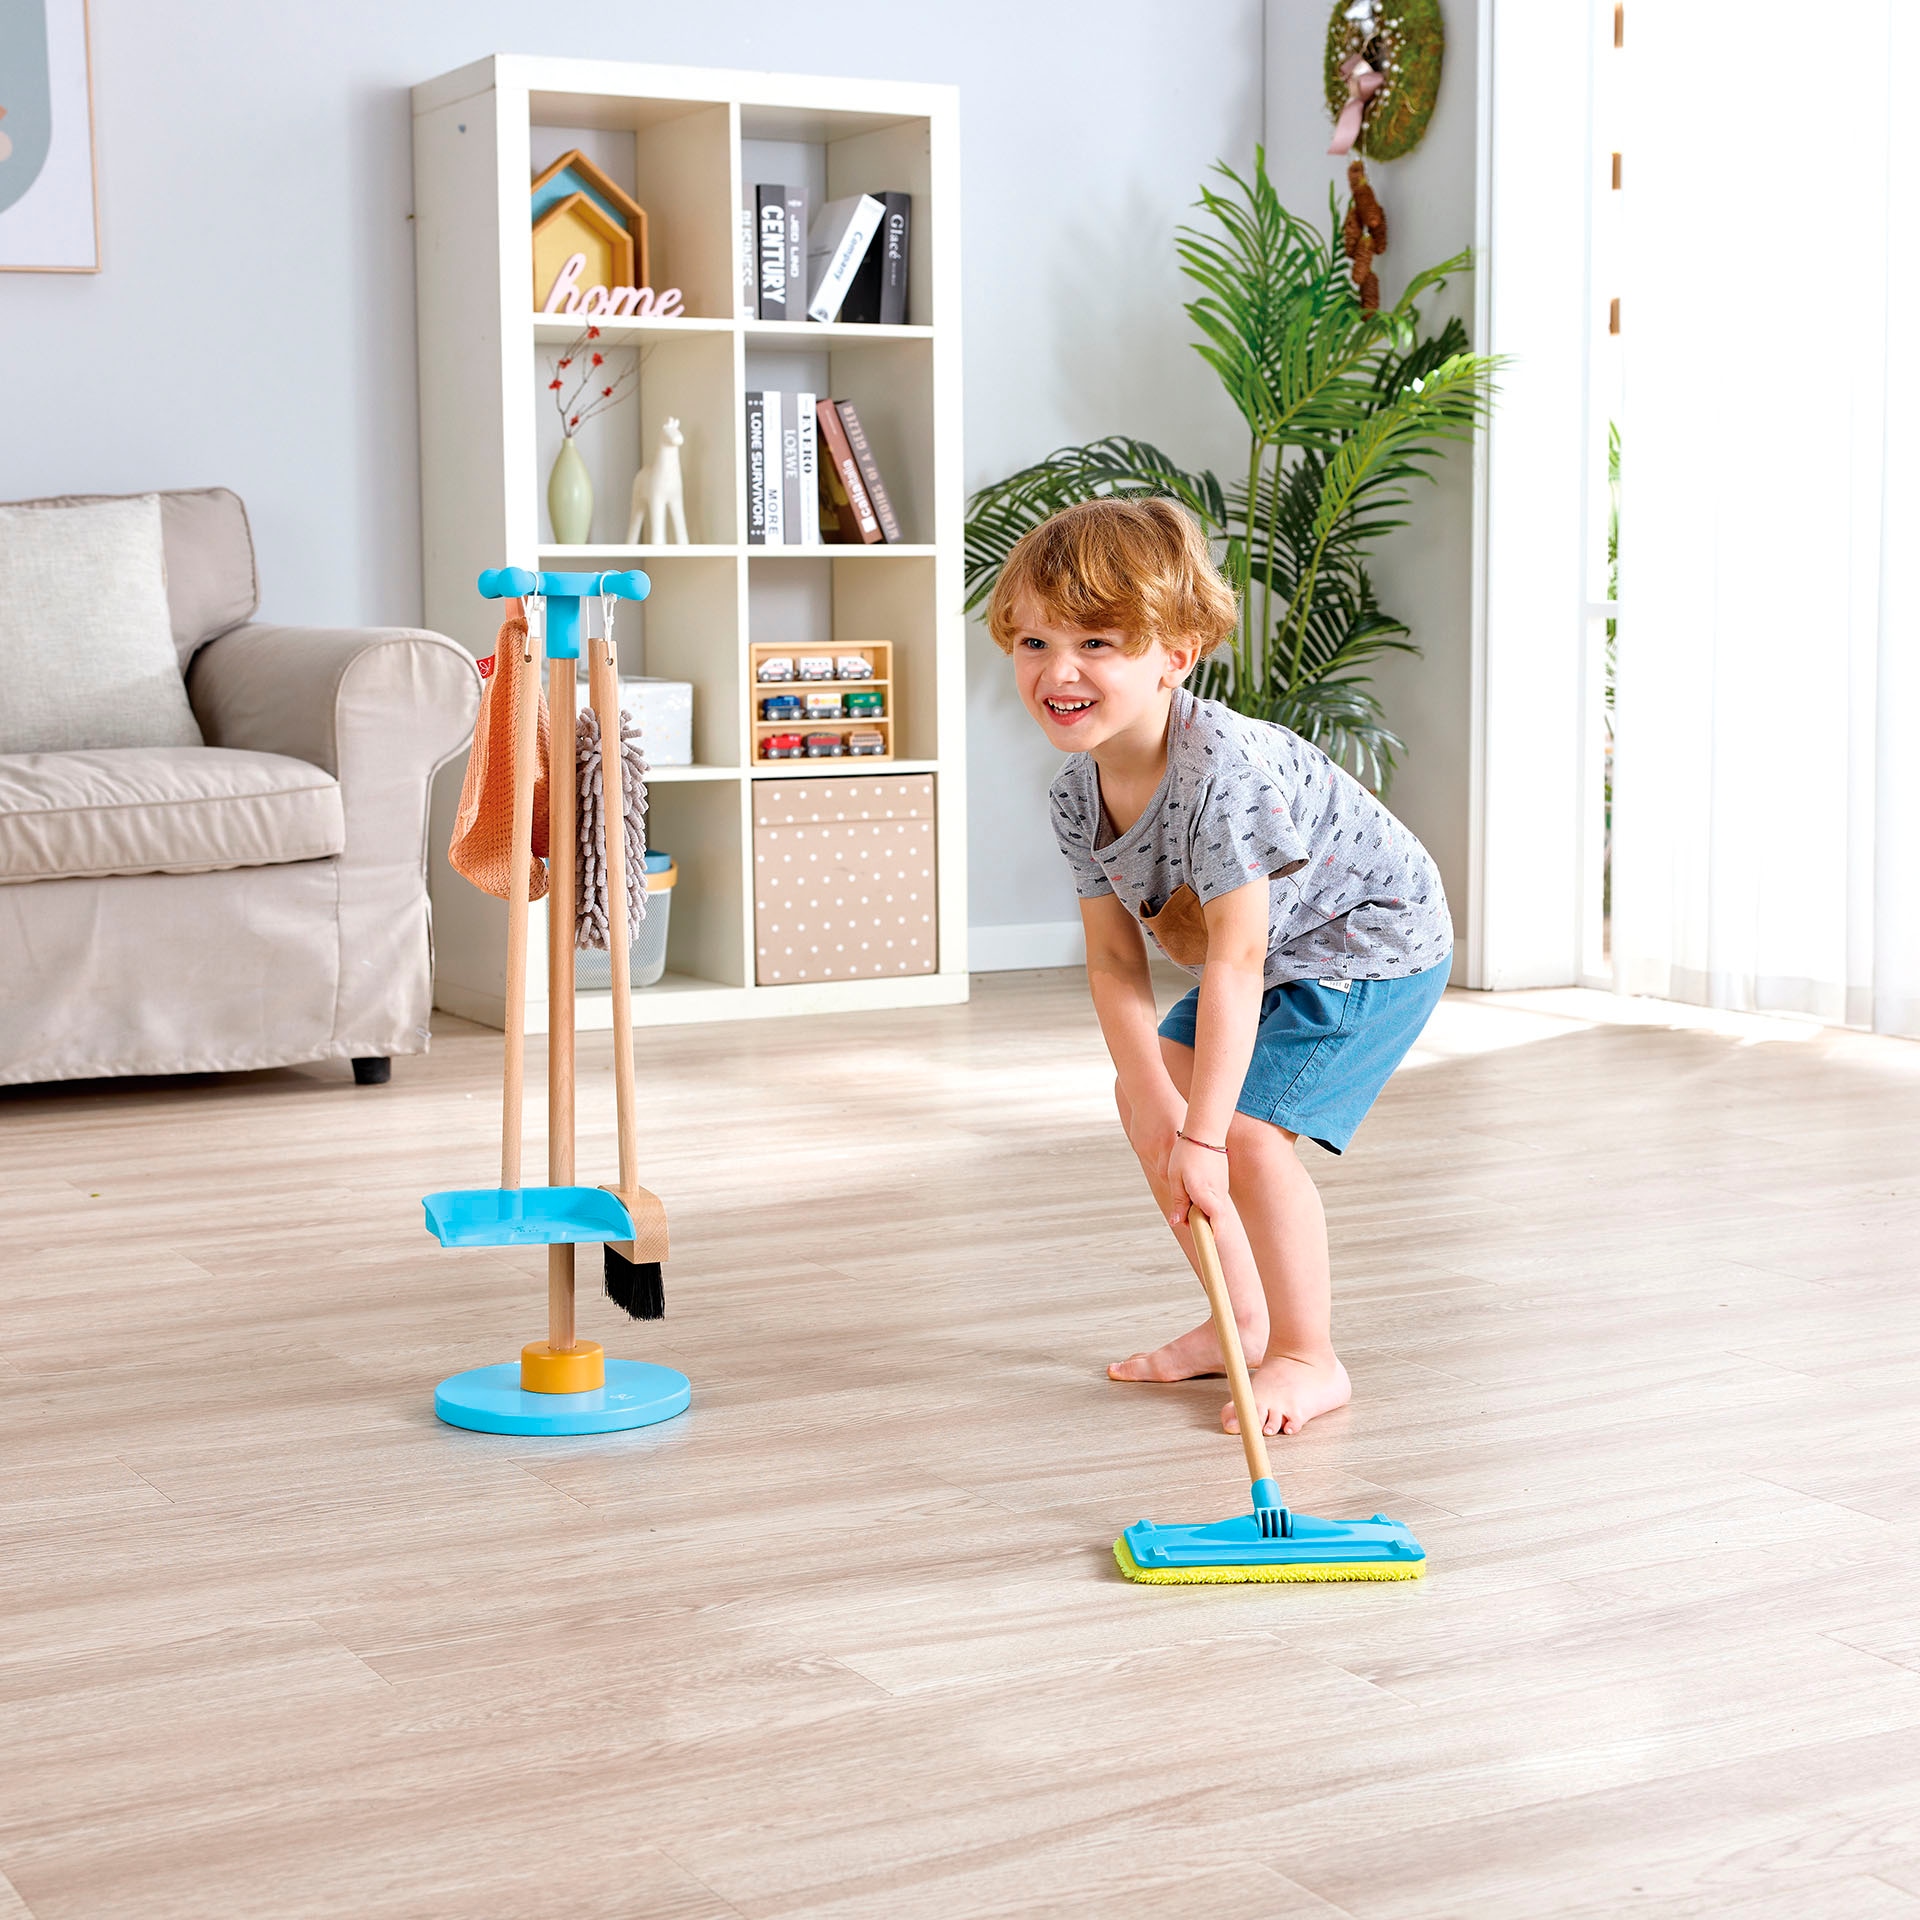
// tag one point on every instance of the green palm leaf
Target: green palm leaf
(1344, 411)
(1117, 468)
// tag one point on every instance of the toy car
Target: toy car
(824, 706)
(853, 666)
(868, 702)
(776, 667)
(815, 666)
(825, 746)
(781, 746)
(781, 706)
(866, 740)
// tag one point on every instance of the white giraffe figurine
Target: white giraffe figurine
(657, 496)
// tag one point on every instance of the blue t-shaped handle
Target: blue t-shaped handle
(563, 593)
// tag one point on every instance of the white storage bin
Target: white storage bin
(647, 954)
(663, 711)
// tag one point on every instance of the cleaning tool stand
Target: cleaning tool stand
(492, 1400)
(562, 1384)
(1269, 1543)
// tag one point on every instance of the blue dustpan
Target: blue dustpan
(1269, 1543)
(525, 1216)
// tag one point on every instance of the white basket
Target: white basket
(647, 956)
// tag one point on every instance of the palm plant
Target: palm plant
(1343, 409)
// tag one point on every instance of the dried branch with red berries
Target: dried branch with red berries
(594, 388)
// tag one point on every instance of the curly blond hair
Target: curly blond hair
(1139, 568)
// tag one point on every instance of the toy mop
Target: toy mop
(1270, 1543)
(561, 1384)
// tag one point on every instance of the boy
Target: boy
(1314, 920)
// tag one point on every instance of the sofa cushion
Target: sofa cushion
(66, 816)
(86, 645)
(212, 584)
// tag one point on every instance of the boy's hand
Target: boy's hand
(1153, 1132)
(1196, 1176)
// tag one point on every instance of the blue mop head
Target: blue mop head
(1269, 1544)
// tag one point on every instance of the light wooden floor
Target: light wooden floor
(1632, 1314)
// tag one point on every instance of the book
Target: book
(809, 470)
(895, 234)
(791, 531)
(796, 253)
(756, 470)
(776, 486)
(770, 249)
(855, 522)
(878, 293)
(836, 517)
(869, 469)
(749, 300)
(837, 243)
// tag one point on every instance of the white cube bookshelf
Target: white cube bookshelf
(685, 141)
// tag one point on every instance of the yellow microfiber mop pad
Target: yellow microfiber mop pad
(1242, 1575)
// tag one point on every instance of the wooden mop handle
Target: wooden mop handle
(604, 690)
(1252, 1439)
(519, 881)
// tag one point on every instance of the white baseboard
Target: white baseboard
(1039, 943)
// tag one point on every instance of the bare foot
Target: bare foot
(1195, 1353)
(1291, 1392)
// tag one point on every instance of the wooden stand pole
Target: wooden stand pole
(563, 841)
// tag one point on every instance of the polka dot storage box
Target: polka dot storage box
(843, 878)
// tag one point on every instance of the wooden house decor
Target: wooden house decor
(577, 209)
(573, 226)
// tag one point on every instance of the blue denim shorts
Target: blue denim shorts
(1321, 1055)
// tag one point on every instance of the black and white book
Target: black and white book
(791, 534)
(770, 405)
(770, 250)
(749, 301)
(837, 242)
(796, 253)
(809, 470)
(757, 470)
(878, 293)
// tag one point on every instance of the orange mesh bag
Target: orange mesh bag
(483, 827)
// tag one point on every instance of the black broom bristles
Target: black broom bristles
(636, 1287)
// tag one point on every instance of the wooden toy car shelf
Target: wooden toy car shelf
(879, 657)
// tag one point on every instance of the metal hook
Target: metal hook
(536, 608)
(607, 603)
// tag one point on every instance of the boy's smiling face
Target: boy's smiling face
(1087, 691)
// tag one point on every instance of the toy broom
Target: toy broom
(633, 1277)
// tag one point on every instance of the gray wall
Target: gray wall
(254, 322)
(1424, 573)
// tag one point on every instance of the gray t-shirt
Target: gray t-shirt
(1354, 896)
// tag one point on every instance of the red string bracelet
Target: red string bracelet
(1208, 1144)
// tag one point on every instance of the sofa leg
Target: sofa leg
(373, 1072)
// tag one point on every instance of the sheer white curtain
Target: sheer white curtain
(1767, 780)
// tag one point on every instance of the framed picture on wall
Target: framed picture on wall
(49, 217)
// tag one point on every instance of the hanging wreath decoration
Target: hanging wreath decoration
(1382, 74)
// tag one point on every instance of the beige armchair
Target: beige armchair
(254, 902)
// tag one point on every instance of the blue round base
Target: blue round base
(490, 1400)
